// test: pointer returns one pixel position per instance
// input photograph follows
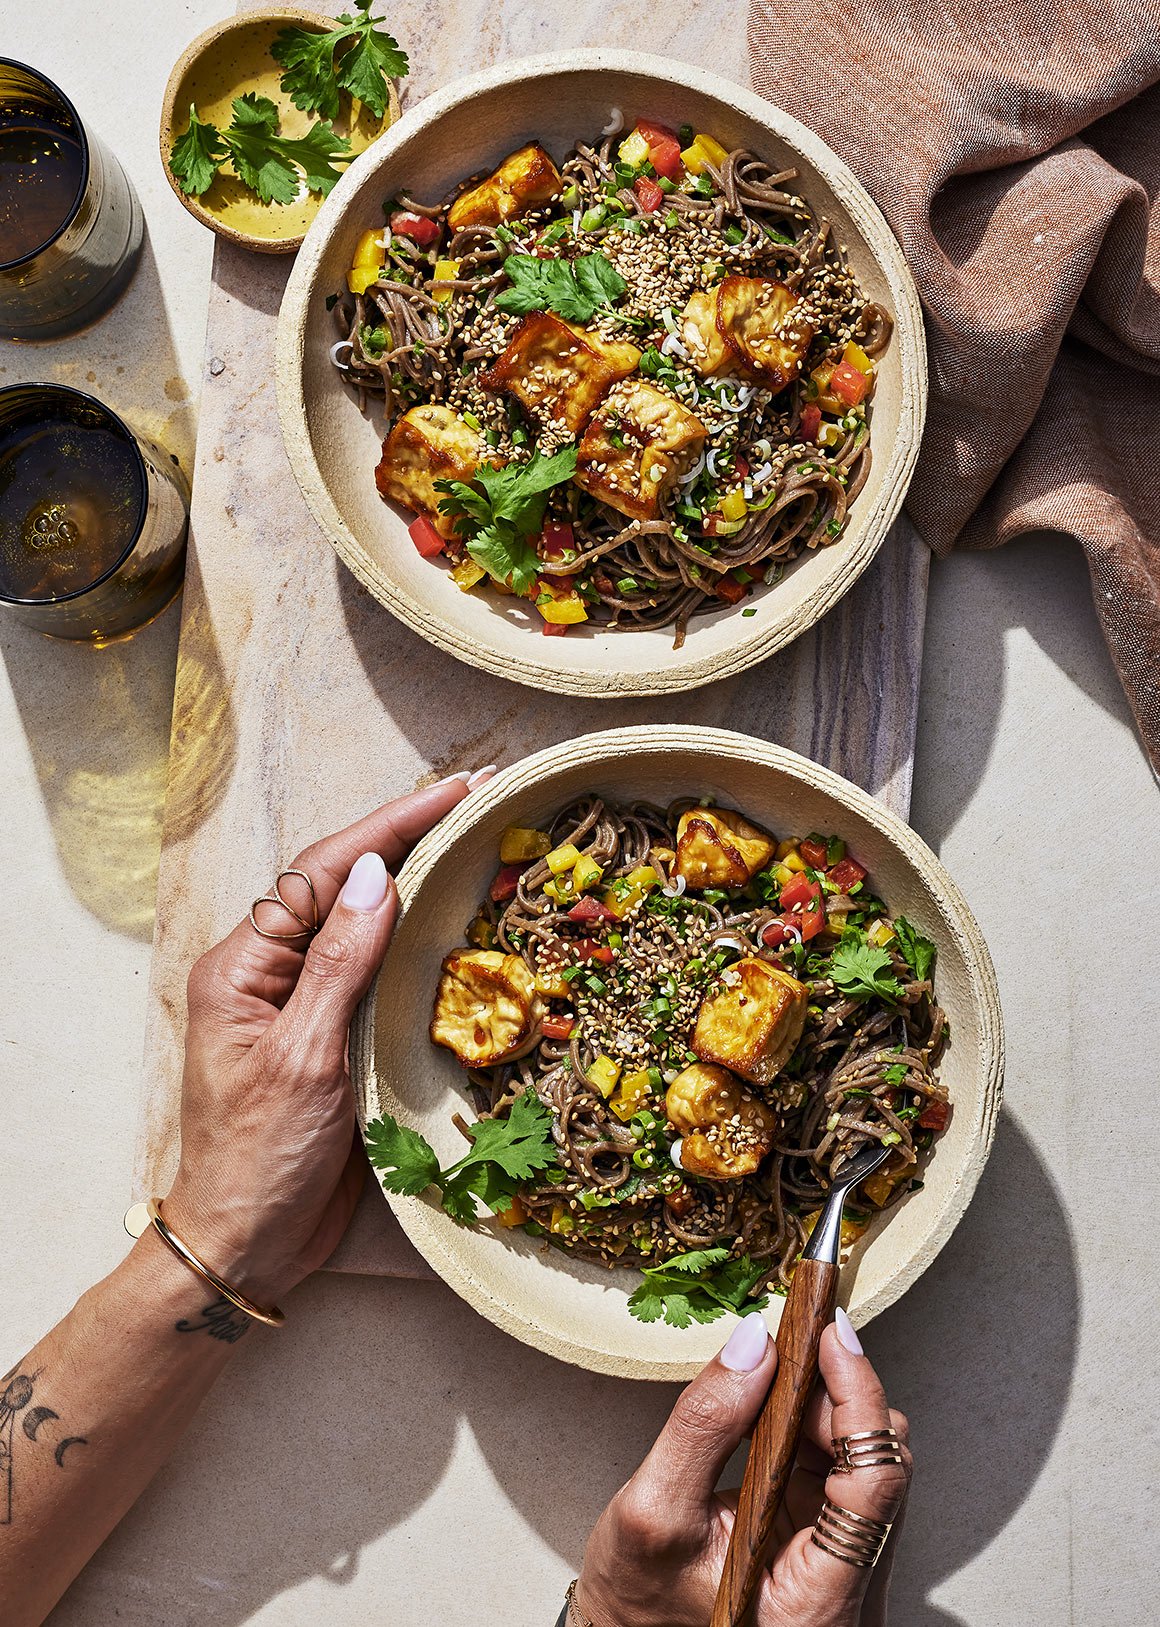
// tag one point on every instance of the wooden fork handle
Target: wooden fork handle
(809, 1306)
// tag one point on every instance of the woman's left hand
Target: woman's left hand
(656, 1556)
(271, 1167)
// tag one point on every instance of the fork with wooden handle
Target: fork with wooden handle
(809, 1306)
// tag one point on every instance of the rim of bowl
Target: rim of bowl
(427, 1227)
(244, 21)
(750, 646)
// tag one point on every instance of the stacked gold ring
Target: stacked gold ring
(853, 1538)
(306, 929)
(865, 1450)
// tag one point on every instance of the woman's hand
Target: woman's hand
(658, 1550)
(271, 1167)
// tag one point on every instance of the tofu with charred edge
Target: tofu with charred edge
(749, 326)
(487, 1009)
(427, 444)
(716, 848)
(558, 371)
(754, 1023)
(637, 444)
(726, 1135)
(525, 178)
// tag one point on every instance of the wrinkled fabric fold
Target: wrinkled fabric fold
(1015, 152)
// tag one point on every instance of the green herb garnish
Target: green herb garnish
(356, 56)
(918, 952)
(862, 971)
(573, 289)
(499, 519)
(697, 1287)
(271, 165)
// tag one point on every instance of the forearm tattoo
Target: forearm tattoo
(16, 1398)
(220, 1319)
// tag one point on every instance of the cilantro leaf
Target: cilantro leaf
(356, 56)
(498, 521)
(697, 1287)
(268, 163)
(895, 1074)
(573, 290)
(503, 1153)
(862, 971)
(918, 952)
(197, 155)
(405, 1160)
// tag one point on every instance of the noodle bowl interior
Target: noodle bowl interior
(629, 387)
(673, 1027)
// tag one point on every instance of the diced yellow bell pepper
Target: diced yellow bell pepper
(852, 1229)
(633, 1089)
(481, 933)
(825, 397)
(633, 149)
(369, 250)
(514, 1215)
(830, 435)
(560, 890)
(794, 861)
(518, 845)
(784, 849)
(625, 896)
(562, 858)
(878, 1188)
(552, 982)
(604, 1074)
(466, 574)
(562, 1222)
(360, 278)
(880, 934)
(560, 606)
(855, 356)
(782, 874)
(734, 507)
(445, 271)
(586, 873)
(703, 150)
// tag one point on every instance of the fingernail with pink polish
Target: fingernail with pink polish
(480, 775)
(746, 1344)
(846, 1335)
(366, 886)
(464, 774)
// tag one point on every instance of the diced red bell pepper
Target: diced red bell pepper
(813, 852)
(934, 1117)
(507, 880)
(848, 384)
(846, 873)
(801, 898)
(556, 540)
(811, 422)
(425, 537)
(781, 932)
(730, 590)
(742, 467)
(589, 949)
(590, 909)
(650, 195)
(554, 629)
(558, 1027)
(417, 227)
(664, 149)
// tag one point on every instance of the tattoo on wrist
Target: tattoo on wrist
(220, 1319)
(15, 1399)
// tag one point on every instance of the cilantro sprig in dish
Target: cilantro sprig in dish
(501, 510)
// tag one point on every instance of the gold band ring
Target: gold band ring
(306, 929)
(866, 1450)
(853, 1538)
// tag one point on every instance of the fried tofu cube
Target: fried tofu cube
(635, 448)
(753, 1024)
(726, 1131)
(762, 324)
(426, 444)
(524, 178)
(717, 848)
(487, 1009)
(557, 371)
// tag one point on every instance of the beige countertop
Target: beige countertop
(306, 1490)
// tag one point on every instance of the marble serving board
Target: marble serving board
(300, 702)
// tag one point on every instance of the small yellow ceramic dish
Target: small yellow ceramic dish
(228, 60)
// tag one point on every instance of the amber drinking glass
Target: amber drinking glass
(70, 222)
(92, 516)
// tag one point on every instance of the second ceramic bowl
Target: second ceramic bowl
(333, 449)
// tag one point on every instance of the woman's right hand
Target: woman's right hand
(656, 1555)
